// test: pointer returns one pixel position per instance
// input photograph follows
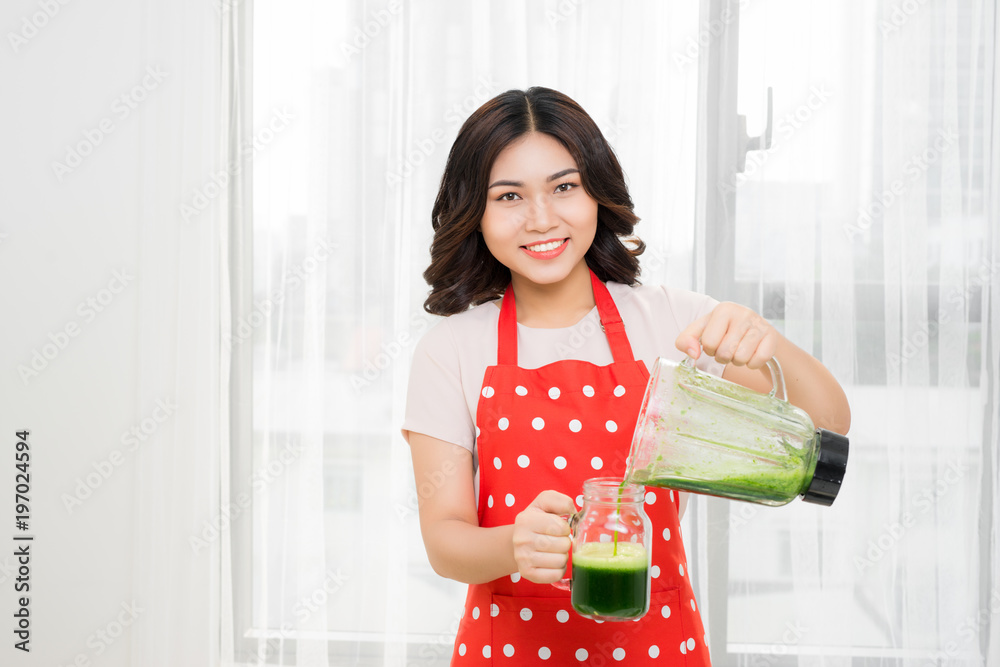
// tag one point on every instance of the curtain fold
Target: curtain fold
(867, 234)
(180, 514)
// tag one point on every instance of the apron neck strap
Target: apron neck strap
(611, 323)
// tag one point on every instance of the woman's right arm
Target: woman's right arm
(536, 545)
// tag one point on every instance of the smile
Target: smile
(546, 249)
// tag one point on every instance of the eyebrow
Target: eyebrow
(519, 184)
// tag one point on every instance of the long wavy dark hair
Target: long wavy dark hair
(463, 272)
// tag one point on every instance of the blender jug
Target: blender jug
(697, 432)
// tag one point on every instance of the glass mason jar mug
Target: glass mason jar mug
(610, 557)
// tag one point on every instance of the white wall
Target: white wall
(61, 243)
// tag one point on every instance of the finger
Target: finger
(554, 502)
(764, 352)
(715, 333)
(551, 544)
(689, 340)
(543, 575)
(747, 346)
(728, 347)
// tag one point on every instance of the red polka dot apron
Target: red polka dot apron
(552, 428)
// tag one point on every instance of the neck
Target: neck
(557, 305)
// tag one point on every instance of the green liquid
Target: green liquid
(772, 484)
(611, 580)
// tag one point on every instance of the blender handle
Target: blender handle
(574, 520)
(777, 379)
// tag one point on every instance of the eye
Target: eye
(508, 196)
(565, 187)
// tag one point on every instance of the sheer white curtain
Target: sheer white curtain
(374, 94)
(868, 232)
(179, 480)
(355, 106)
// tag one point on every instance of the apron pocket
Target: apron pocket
(547, 631)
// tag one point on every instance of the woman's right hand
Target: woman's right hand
(542, 537)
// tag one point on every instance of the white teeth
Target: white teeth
(545, 247)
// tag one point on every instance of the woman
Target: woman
(504, 429)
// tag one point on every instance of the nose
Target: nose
(540, 217)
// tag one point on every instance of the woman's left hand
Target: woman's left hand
(731, 333)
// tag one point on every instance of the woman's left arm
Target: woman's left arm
(743, 340)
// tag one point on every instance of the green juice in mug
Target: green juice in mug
(606, 583)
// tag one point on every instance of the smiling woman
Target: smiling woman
(531, 138)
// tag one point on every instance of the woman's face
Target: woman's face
(539, 221)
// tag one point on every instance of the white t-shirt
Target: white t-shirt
(451, 359)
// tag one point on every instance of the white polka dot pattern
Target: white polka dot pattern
(503, 423)
(619, 391)
(487, 651)
(509, 500)
(520, 391)
(654, 651)
(508, 650)
(554, 393)
(538, 423)
(559, 462)
(588, 391)
(523, 461)
(611, 426)
(525, 614)
(544, 653)
(488, 392)
(461, 649)
(575, 425)
(596, 463)
(562, 615)
(581, 654)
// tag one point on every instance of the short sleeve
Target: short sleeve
(435, 398)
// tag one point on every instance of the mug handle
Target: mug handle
(565, 583)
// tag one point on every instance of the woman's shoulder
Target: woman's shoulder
(468, 327)
(659, 297)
